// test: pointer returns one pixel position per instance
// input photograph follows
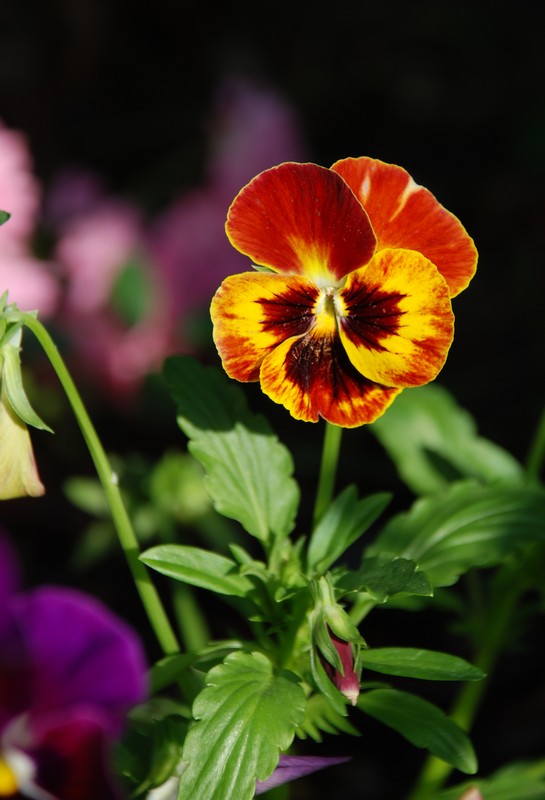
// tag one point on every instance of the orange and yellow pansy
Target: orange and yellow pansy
(351, 300)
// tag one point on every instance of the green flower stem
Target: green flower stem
(536, 455)
(328, 470)
(435, 772)
(148, 594)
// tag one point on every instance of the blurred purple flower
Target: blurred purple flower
(30, 282)
(182, 255)
(69, 672)
(291, 767)
(251, 128)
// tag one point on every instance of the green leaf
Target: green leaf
(151, 749)
(4, 216)
(433, 441)
(346, 519)
(249, 472)
(468, 525)
(422, 724)
(131, 292)
(198, 567)
(425, 664)
(321, 717)
(385, 575)
(13, 383)
(520, 781)
(247, 714)
(168, 669)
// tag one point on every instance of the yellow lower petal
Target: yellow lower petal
(253, 313)
(397, 323)
(312, 377)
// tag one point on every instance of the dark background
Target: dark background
(452, 91)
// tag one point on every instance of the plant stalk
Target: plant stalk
(328, 470)
(127, 538)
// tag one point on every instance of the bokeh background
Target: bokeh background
(132, 104)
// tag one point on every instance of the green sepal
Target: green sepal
(4, 216)
(12, 381)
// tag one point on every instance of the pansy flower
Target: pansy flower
(351, 300)
(69, 672)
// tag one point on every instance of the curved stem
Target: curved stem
(147, 591)
(328, 470)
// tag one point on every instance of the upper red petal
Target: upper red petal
(303, 219)
(405, 215)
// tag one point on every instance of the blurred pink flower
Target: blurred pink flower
(94, 250)
(31, 283)
(181, 256)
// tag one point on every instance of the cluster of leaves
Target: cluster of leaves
(253, 695)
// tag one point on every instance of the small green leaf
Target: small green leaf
(198, 567)
(422, 724)
(168, 669)
(425, 664)
(249, 472)
(13, 383)
(321, 717)
(520, 781)
(130, 295)
(384, 575)
(246, 714)
(346, 519)
(433, 441)
(468, 525)
(4, 216)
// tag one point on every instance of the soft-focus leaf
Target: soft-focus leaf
(426, 664)
(246, 714)
(4, 216)
(468, 525)
(346, 519)
(249, 472)
(198, 567)
(422, 724)
(433, 441)
(523, 781)
(151, 750)
(320, 718)
(131, 292)
(385, 575)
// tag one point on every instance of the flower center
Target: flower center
(328, 309)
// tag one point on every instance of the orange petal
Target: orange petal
(408, 216)
(253, 313)
(312, 377)
(303, 219)
(397, 323)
